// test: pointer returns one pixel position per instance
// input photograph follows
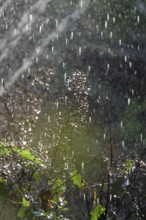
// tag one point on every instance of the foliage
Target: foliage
(76, 178)
(23, 208)
(26, 155)
(97, 212)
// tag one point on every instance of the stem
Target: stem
(108, 195)
(111, 140)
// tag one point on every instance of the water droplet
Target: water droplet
(72, 35)
(26, 27)
(90, 119)
(52, 49)
(40, 29)
(120, 42)
(108, 66)
(130, 64)
(132, 91)
(141, 137)
(49, 119)
(107, 17)
(138, 19)
(123, 144)
(111, 34)
(83, 164)
(104, 136)
(57, 104)
(125, 58)
(105, 25)
(56, 22)
(30, 17)
(114, 19)
(121, 124)
(129, 101)
(80, 50)
(66, 41)
(2, 81)
(111, 195)
(15, 31)
(65, 77)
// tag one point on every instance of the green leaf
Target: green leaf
(36, 176)
(97, 212)
(76, 178)
(25, 203)
(27, 155)
(4, 151)
(58, 189)
(24, 207)
(129, 164)
(59, 186)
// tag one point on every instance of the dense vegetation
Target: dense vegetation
(72, 110)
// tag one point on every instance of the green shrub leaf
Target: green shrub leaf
(97, 212)
(27, 155)
(24, 207)
(76, 178)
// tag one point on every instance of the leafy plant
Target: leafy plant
(97, 212)
(27, 155)
(25, 205)
(76, 178)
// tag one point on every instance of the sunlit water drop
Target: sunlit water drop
(138, 19)
(30, 17)
(123, 144)
(111, 34)
(40, 29)
(108, 17)
(130, 64)
(52, 49)
(105, 25)
(56, 23)
(129, 101)
(114, 19)
(141, 137)
(72, 35)
(81, 3)
(132, 91)
(83, 164)
(125, 58)
(80, 50)
(120, 42)
(66, 41)
(104, 136)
